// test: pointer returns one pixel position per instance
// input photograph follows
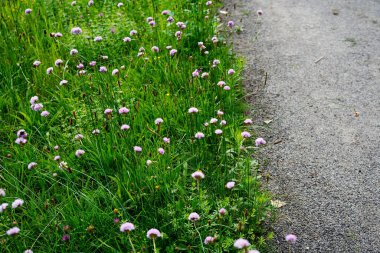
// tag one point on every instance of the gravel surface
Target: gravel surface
(323, 95)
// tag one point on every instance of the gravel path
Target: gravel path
(323, 95)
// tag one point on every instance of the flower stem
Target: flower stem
(130, 241)
(200, 237)
(154, 245)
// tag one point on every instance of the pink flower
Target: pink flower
(22, 133)
(78, 137)
(73, 51)
(17, 203)
(181, 25)
(166, 140)
(209, 240)
(208, 3)
(155, 49)
(127, 39)
(28, 251)
(133, 32)
(45, 113)
(127, 227)
(231, 24)
(13, 231)
(196, 73)
(32, 165)
(193, 110)
(152, 23)
(98, 38)
(80, 66)
(291, 238)
(260, 141)
(153, 233)
(158, 121)
(161, 151)
(124, 127)
(222, 211)
(58, 35)
(96, 132)
(107, 111)
(58, 62)
(28, 11)
(194, 217)
(76, 30)
(170, 19)
(2, 192)
(92, 63)
(148, 19)
(36, 64)
(49, 70)
(220, 113)
(223, 122)
(149, 162)
(20, 141)
(33, 100)
(56, 147)
(213, 121)
(63, 82)
(79, 152)
(227, 87)
(65, 238)
(3, 207)
(218, 131)
(173, 52)
(165, 12)
(204, 75)
(245, 134)
(102, 69)
(231, 72)
(36, 107)
(198, 175)
(248, 121)
(137, 149)
(230, 185)
(57, 157)
(115, 72)
(253, 251)
(120, 4)
(214, 39)
(215, 62)
(123, 110)
(241, 243)
(199, 135)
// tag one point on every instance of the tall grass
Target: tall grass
(77, 204)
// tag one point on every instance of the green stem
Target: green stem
(154, 245)
(130, 241)
(200, 238)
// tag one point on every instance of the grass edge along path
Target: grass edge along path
(123, 130)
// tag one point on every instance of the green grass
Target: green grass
(111, 181)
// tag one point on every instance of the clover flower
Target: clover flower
(230, 185)
(231, 71)
(36, 107)
(218, 131)
(137, 149)
(158, 121)
(45, 113)
(226, 87)
(102, 69)
(241, 243)
(92, 63)
(65, 238)
(127, 227)
(58, 62)
(79, 153)
(123, 110)
(56, 158)
(196, 73)
(56, 147)
(96, 131)
(153, 233)
(215, 62)
(170, 19)
(28, 251)
(209, 240)
(115, 72)
(3, 207)
(28, 11)
(260, 141)
(165, 12)
(198, 175)
(220, 113)
(120, 4)
(22, 133)
(214, 39)
(199, 135)
(49, 70)
(204, 75)
(155, 49)
(17, 203)
(63, 82)
(166, 140)
(124, 127)
(13, 231)
(173, 52)
(132, 32)
(57, 35)
(193, 110)
(32, 165)
(20, 141)
(245, 134)
(208, 3)
(291, 238)
(161, 151)
(78, 137)
(73, 51)
(36, 64)
(213, 121)
(148, 162)
(223, 122)
(194, 217)
(222, 211)
(76, 30)
(2, 192)
(98, 38)
(248, 121)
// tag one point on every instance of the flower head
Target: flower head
(241, 243)
(230, 185)
(133, 33)
(28, 251)
(153, 233)
(127, 227)
(259, 12)
(158, 121)
(222, 211)
(173, 52)
(260, 141)
(248, 121)
(65, 238)
(231, 72)
(76, 30)
(291, 238)
(22, 133)
(231, 24)
(58, 62)
(28, 11)
(198, 175)
(36, 107)
(36, 64)
(124, 127)
(193, 110)
(49, 70)
(63, 82)
(32, 165)
(79, 152)
(98, 38)
(245, 134)
(209, 240)
(13, 231)
(3, 207)
(17, 203)
(96, 131)
(149, 162)
(137, 149)
(123, 110)
(166, 140)
(161, 151)
(194, 217)
(78, 137)
(102, 69)
(107, 111)
(218, 131)
(199, 135)
(120, 4)
(155, 49)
